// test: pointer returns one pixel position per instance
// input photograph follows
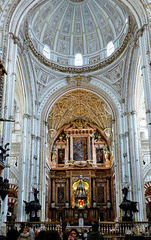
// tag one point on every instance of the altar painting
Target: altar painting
(100, 194)
(99, 155)
(61, 195)
(61, 156)
(80, 149)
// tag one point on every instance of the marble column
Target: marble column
(7, 111)
(23, 189)
(43, 170)
(32, 165)
(145, 49)
(137, 168)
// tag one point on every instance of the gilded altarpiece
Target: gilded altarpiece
(81, 176)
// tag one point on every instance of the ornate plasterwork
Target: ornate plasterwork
(78, 79)
(115, 74)
(97, 21)
(43, 78)
(79, 104)
(71, 69)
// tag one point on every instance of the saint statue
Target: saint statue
(54, 155)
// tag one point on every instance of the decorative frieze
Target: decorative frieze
(78, 79)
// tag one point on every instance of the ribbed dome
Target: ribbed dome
(77, 26)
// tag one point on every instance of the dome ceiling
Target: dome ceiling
(77, 26)
(80, 104)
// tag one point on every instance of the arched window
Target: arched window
(110, 48)
(46, 51)
(78, 59)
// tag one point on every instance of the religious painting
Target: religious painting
(85, 215)
(80, 149)
(76, 215)
(100, 195)
(61, 195)
(61, 156)
(99, 155)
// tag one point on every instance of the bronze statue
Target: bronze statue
(129, 207)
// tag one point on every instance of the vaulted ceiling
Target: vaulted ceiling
(72, 26)
(79, 104)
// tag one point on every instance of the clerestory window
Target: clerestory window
(78, 59)
(110, 48)
(46, 51)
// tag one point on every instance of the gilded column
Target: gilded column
(67, 189)
(94, 189)
(108, 190)
(71, 148)
(93, 151)
(89, 147)
(53, 188)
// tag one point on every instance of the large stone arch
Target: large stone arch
(109, 97)
(13, 24)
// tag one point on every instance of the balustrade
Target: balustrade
(110, 230)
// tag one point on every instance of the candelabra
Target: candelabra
(4, 187)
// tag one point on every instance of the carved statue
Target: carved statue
(54, 155)
(35, 195)
(107, 154)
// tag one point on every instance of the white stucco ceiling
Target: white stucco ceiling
(72, 26)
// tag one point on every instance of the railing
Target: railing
(110, 230)
(118, 230)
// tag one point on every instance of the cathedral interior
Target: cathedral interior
(75, 108)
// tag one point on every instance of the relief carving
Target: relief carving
(116, 73)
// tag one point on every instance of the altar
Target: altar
(81, 179)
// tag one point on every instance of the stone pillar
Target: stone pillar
(2, 72)
(6, 112)
(120, 158)
(137, 168)
(23, 189)
(43, 171)
(32, 166)
(38, 164)
(145, 49)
